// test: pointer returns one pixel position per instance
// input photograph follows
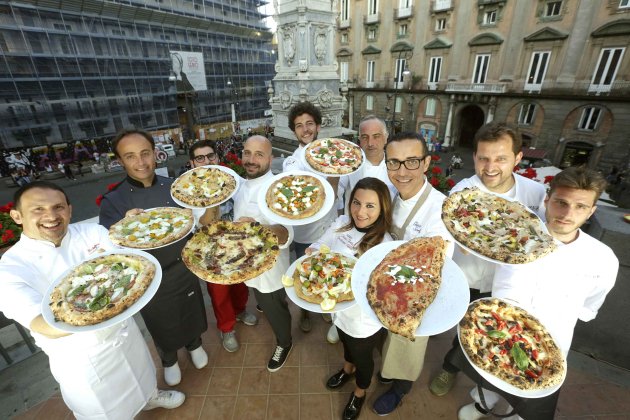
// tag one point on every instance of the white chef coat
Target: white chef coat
(569, 284)
(246, 205)
(306, 234)
(479, 272)
(105, 374)
(347, 182)
(353, 321)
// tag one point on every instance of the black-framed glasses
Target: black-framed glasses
(209, 156)
(411, 164)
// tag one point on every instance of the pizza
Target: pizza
(333, 156)
(205, 186)
(227, 252)
(101, 288)
(296, 196)
(324, 278)
(152, 228)
(500, 229)
(404, 284)
(509, 343)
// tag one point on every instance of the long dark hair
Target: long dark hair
(383, 224)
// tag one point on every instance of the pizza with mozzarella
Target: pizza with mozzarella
(333, 156)
(152, 228)
(205, 186)
(296, 196)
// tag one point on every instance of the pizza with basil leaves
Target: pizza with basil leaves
(296, 196)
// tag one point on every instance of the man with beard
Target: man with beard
(176, 316)
(268, 289)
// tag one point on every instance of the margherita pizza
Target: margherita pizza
(204, 186)
(405, 283)
(333, 156)
(509, 343)
(152, 228)
(226, 252)
(503, 230)
(296, 196)
(101, 288)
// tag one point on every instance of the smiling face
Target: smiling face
(364, 208)
(44, 215)
(372, 139)
(566, 210)
(202, 153)
(136, 155)
(257, 156)
(306, 129)
(407, 182)
(494, 163)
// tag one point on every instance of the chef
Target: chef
(104, 374)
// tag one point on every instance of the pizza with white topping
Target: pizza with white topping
(333, 156)
(296, 196)
(205, 186)
(152, 228)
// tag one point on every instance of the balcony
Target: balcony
(403, 13)
(344, 23)
(373, 18)
(442, 5)
(476, 87)
(580, 87)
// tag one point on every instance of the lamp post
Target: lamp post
(402, 70)
(233, 104)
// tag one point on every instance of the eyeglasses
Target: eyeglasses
(209, 156)
(410, 164)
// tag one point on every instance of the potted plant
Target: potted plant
(9, 230)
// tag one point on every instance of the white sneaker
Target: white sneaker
(332, 337)
(247, 318)
(470, 412)
(165, 399)
(229, 341)
(199, 357)
(172, 375)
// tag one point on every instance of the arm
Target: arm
(109, 213)
(40, 326)
(211, 214)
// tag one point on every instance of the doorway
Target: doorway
(471, 118)
(576, 153)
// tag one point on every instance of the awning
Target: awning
(531, 153)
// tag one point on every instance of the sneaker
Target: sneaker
(383, 380)
(305, 321)
(247, 318)
(327, 317)
(165, 399)
(279, 357)
(259, 309)
(172, 375)
(199, 357)
(230, 343)
(472, 412)
(332, 337)
(387, 402)
(442, 384)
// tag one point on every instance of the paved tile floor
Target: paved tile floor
(238, 385)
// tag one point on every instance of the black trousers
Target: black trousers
(359, 352)
(276, 309)
(169, 358)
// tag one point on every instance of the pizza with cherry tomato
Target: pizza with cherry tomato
(333, 156)
(511, 344)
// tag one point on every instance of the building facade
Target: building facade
(559, 69)
(83, 69)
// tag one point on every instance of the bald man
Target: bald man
(268, 289)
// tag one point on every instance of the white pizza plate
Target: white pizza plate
(162, 246)
(504, 386)
(446, 310)
(329, 200)
(302, 157)
(313, 307)
(228, 171)
(127, 313)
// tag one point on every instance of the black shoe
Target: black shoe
(258, 308)
(387, 402)
(353, 408)
(279, 357)
(338, 379)
(383, 380)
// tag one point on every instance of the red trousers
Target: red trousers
(227, 302)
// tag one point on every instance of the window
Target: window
(343, 71)
(404, 4)
(344, 38)
(371, 34)
(429, 109)
(552, 8)
(490, 17)
(402, 30)
(440, 24)
(526, 114)
(606, 70)
(537, 70)
(398, 104)
(590, 116)
(481, 68)
(372, 7)
(371, 66)
(345, 9)
(401, 64)
(624, 4)
(435, 66)
(369, 103)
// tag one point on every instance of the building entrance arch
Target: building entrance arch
(471, 117)
(576, 153)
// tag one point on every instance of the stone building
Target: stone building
(558, 69)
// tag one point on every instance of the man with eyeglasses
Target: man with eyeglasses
(417, 213)
(228, 301)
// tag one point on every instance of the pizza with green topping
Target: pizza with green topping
(333, 156)
(296, 196)
(152, 228)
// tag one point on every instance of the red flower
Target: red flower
(434, 181)
(99, 199)
(6, 208)
(8, 235)
(436, 170)
(529, 173)
(435, 158)
(450, 183)
(548, 179)
(112, 186)
(1, 226)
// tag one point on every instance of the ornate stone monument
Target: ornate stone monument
(306, 69)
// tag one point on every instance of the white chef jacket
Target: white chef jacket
(105, 374)
(306, 234)
(353, 321)
(347, 182)
(479, 272)
(569, 284)
(246, 205)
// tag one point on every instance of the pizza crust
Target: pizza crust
(277, 200)
(313, 297)
(124, 233)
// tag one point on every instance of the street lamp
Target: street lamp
(402, 70)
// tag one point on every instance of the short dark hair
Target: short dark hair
(45, 185)
(304, 108)
(494, 130)
(198, 145)
(129, 131)
(408, 135)
(579, 178)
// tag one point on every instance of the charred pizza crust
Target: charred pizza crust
(332, 283)
(227, 252)
(511, 344)
(500, 229)
(296, 196)
(333, 156)
(101, 288)
(405, 283)
(205, 186)
(152, 228)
